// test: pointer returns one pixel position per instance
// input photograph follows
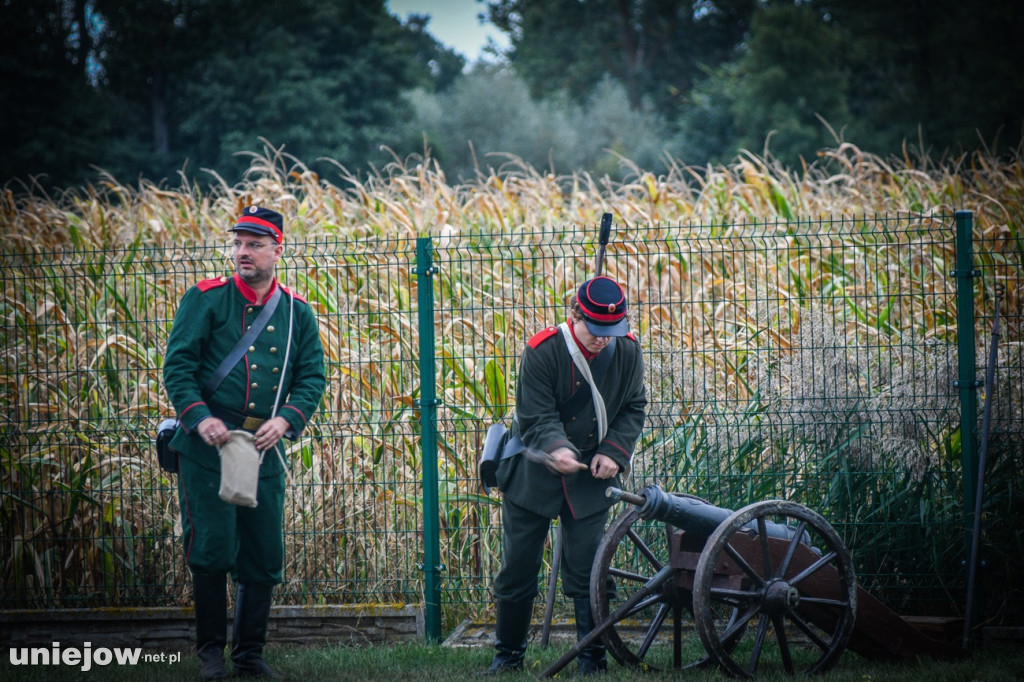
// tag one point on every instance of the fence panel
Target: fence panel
(814, 361)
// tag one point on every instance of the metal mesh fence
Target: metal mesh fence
(813, 361)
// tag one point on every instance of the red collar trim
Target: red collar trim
(250, 294)
(587, 355)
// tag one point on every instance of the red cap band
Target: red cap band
(253, 220)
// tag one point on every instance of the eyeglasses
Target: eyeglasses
(251, 246)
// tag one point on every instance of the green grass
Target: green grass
(996, 663)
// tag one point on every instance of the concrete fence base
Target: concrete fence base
(173, 628)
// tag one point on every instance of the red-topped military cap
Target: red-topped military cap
(261, 220)
(603, 305)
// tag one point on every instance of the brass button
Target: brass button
(253, 367)
(270, 329)
(252, 406)
(274, 370)
(274, 388)
(273, 350)
(574, 418)
(255, 385)
(248, 310)
(577, 383)
(252, 349)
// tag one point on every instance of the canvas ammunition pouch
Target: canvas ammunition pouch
(239, 469)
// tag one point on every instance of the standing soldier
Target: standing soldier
(210, 401)
(584, 415)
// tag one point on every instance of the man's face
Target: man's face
(594, 344)
(255, 257)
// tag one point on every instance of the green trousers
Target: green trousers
(523, 548)
(247, 542)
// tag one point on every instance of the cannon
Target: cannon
(771, 582)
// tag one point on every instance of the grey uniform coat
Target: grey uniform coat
(548, 378)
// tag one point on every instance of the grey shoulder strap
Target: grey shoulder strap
(238, 351)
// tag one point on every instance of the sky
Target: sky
(454, 23)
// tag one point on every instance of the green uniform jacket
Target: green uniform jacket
(212, 317)
(547, 379)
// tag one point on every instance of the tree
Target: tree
(51, 119)
(324, 79)
(789, 81)
(151, 87)
(489, 114)
(728, 72)
(445, 65)
(655, 48)
(947, 68)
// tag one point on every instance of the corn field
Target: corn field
(799, 328)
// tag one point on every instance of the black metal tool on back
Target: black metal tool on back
(602, 241)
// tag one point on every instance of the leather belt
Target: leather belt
(244, 421)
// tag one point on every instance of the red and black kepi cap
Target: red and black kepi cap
(261, 220)
(603, 305)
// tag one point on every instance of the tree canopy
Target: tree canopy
(729, 73)
(191, 83)
(156, 88)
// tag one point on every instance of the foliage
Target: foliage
(942, 71)
(879, 72)
(469, 128)
(653, 49)
(736, 291)
(154, 90)
(51, 118)
(181, 86)
(789, 82)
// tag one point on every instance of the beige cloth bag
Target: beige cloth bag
(240, 469)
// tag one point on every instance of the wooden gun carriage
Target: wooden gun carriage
(771, 582)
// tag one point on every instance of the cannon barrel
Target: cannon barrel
(687, 513)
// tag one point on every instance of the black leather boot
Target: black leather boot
(210, 594)
(591, 660)
(249, 635)
(510, 636)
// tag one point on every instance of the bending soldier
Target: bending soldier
(587, 431)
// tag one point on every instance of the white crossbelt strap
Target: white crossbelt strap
(584, 367)
(280, 383)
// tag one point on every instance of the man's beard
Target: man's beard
(255, 276)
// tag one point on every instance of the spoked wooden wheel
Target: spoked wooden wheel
(798, 591)
(650, 636)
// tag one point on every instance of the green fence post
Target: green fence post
(428, 428)
(967, 379)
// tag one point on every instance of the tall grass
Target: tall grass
(799, 330)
